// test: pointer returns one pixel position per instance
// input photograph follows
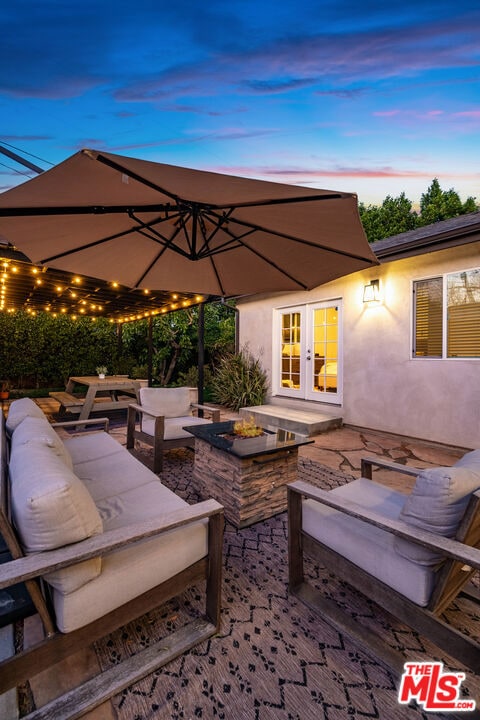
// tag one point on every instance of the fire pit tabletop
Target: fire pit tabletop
(221, 436)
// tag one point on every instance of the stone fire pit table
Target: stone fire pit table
(248, 476)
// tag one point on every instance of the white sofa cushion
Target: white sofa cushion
(19, 410)
(365, 545)
(438, 502)
(38, 431)
(52, 508)
(129, 573)
(105, 467)
(141, 566)
(125, 492)
(171, 402)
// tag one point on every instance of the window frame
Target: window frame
(444, 278)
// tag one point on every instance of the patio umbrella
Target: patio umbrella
(154, 226)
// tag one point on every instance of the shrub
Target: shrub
(239, 381)
(190, 377)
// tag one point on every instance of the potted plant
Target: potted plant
(102, 371)
(4, 389)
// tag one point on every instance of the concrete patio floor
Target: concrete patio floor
(339, 451)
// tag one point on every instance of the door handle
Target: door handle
(308, 357)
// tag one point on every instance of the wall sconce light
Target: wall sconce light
(371, 292)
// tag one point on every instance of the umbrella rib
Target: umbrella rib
(220, 285)
(150, 207)
(94, 243)
(87, 246)
(260, 228)
(118, 166)
(161, 239)
(181, 218)
(283, 201)
(255, 252)
(204, 251)
(81, 210)
(167, 246)
(254, 203)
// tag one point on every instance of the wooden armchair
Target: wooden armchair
(158, 419)
(387, 547)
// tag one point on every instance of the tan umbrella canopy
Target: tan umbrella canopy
(155, 226)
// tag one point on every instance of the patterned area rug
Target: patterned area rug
(274, 658)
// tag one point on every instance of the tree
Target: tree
(175, 340)
(437, 204)
(396, 215)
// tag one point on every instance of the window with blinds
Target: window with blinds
(428, 299)
(447, 316)
(463, 314)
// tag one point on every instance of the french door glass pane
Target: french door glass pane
(325, 333)
(291, 339)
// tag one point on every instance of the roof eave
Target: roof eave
(442, 241)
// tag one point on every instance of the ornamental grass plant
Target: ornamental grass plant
(239, 380)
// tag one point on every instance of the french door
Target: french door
(308, 351)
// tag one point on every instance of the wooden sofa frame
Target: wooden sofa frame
(56, 646)
(156, 440)
(427, 621)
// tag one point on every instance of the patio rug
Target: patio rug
(274, 659)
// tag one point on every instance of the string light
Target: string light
(3, 284)
(43, 294)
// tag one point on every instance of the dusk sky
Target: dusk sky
(374, 97)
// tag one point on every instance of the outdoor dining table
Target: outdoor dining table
(116, 385)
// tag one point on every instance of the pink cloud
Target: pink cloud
(386, 113)
(308, 173)
(468, 114)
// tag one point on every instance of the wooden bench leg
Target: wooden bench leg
(157, 456)
(214, 579)
(131, 417)
(158, 433)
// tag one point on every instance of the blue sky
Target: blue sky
(374, 98)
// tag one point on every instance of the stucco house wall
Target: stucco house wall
(384, 387)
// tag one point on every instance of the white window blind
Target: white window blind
(428, 299)
(447, 305)
(463, 314)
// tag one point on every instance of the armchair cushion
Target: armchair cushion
(173, 428)
(170, 402)
(19, 410)
(437, 503)
(369, 547)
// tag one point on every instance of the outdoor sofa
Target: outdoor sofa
(107, 539)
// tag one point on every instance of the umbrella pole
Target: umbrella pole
(150, 352)
(201, 354)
